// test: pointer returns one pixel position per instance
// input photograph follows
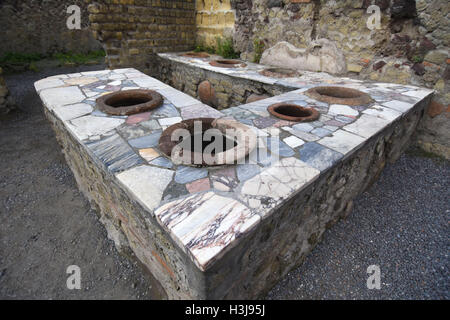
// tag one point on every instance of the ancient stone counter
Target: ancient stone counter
(230, 231)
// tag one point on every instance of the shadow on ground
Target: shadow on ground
(46, 225)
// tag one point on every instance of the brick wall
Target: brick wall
(215, 18)
(131, 31)
(30, 26)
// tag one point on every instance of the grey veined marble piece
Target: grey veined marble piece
(162, 162)
(318, 156)
(187, 174)
(305, 127)
(321, 132)
(146, 141)
(277, 146)
(167, 110)
(115, 153)
(247, 171)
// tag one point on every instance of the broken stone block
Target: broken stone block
(322, 56)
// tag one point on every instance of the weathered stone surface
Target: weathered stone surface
(321, 55)
(437, 56)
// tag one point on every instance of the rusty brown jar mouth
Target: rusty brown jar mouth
(207, 142)
(280, 73)
(226, 63)
(339, 95)
(195, 54)
(293, 112)
(123, 103)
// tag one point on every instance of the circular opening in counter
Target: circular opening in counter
(280, 73)
(129, 102)
(339, 95)
(195, 54)
(227, 63)
(293, 112)
(207, 142)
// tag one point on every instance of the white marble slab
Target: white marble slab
(48, 83)
(367, 125)
(336, 109)
(398, 105)
(146, 184)
(61, 96)
(267, 189)
(342, 141)
(89, 126)
(72, 111)
(383, 112)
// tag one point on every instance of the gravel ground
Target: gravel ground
(399, 224)
(46, 224)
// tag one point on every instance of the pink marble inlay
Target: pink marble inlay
(113, 88)
(283, 123)
(228, 172)
(137, 118)
(198, 186)
(334, 123)
(224, 179)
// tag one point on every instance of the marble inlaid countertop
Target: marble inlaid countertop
(252, 71)
(206, 209)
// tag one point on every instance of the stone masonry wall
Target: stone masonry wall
(29, 26)
(131, 31)
(410, 47)
(215, 18)
(228, 91)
